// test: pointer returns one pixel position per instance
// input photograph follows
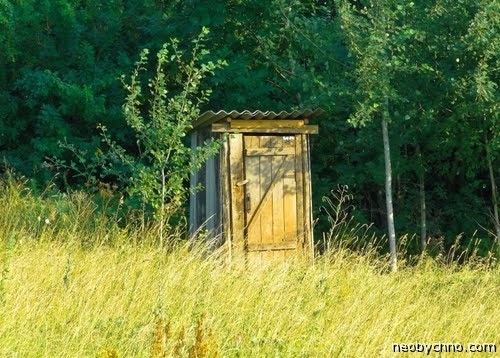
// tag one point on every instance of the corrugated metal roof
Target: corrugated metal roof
(210, 117)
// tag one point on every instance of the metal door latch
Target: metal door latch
(241, 183)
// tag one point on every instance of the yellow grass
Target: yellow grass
(120, 297)
(62, 301)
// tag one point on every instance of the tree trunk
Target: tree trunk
(494, 195)
(423, 209)
(388, 189)
(423, 215)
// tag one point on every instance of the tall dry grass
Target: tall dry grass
(129, 298)
(62, 301)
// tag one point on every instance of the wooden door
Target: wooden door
(273, 192)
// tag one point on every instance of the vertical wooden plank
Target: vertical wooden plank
(308, 233)
(299, 176)
(267, 214)
(278, 202)
(225, 202)
(237, 194)
(210, 199)
(290, 207)
(201, 203)
(218, 197)
(252, 197)
(291, 217)
(252, 194)
(279, 214)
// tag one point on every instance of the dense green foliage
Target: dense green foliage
(436, 62)
(160, 113)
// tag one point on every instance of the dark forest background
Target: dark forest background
(433, 66)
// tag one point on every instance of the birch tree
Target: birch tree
(376, 35)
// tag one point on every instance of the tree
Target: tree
(481, 86)
(376, 37)
(160, 115)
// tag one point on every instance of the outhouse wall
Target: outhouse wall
(205, 202)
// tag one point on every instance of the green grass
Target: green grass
(119, 295)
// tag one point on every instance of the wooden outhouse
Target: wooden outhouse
(256, 196)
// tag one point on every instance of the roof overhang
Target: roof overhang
(259, 121)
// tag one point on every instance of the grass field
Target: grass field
(111, 294)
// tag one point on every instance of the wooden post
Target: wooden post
(236, 202)
(309, 239)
